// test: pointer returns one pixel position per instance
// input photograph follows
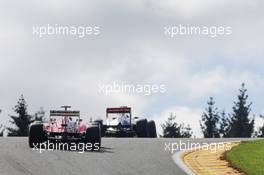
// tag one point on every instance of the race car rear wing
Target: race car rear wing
(118, 110)
(64, 113)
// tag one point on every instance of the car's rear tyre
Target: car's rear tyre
(102, 126)
(142, 128)
(93, 136)
(103, 130)
(36, 135)
(152, 133)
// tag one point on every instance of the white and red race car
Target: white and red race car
(64, 126)
(120, 123)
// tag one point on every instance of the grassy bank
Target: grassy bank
(248, 157)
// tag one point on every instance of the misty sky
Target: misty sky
(55, 70)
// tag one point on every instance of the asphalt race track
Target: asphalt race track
(124, 156)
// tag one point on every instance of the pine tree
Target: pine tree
(171, 129)
(241, 125)
(224, 125)
(260, 132)
(210, 119)
(186, 132)
(22, 121)
(2, 128)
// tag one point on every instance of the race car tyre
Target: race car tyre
(142, 128)
(152, 133)
(102, 126)
(93, 136)
(103, 130)
(36, 135)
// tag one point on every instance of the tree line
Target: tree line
(214, 123)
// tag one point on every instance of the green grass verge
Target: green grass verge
(248, 157)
